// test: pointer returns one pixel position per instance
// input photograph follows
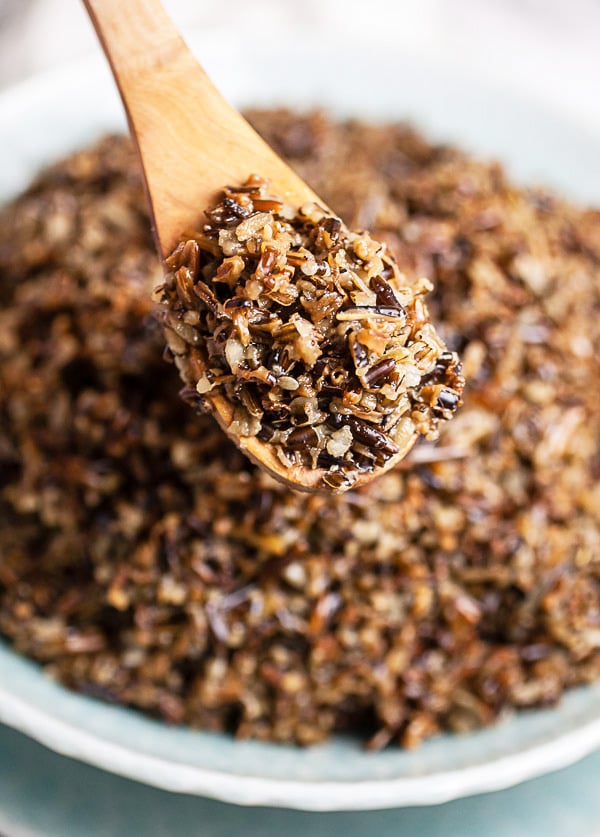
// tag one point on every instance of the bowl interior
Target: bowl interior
(50, 116)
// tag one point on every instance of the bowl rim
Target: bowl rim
(70, 740)
(495, 774)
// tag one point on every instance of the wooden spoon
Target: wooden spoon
(192, 143)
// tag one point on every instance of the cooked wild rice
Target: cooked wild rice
(309, 331)
(143, 560)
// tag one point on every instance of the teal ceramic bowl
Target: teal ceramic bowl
(52, 115)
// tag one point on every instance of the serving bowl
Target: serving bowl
(50, 116)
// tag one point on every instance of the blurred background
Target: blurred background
(546, 47)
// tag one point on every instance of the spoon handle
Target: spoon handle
(190, 140)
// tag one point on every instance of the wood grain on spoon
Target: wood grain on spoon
(192, 143)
